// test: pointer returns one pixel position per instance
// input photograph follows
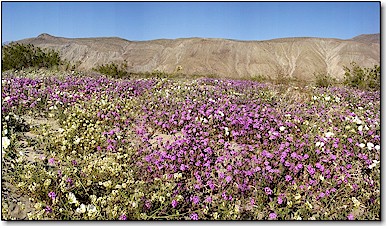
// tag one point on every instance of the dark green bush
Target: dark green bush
(363, 78)
(323, 80)
(113, 70)
(19, 56)
(260, 78)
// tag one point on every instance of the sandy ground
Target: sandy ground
(18, 204)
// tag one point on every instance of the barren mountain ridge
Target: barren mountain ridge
(291, 57)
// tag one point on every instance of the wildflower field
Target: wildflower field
(96, 148)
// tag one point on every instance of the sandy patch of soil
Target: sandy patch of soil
(18, 204)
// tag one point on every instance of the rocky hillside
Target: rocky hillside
(291, 57)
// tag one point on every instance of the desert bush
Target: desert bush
(159, 74)
(363, 78)
(260, 78)
(19, 56)
(113, 70)
(323, 80)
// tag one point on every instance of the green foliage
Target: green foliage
(260, 78)
(19, 56)
(113, 70)
(363, 78)
(323, 80)
(69, 66)
(159, 74)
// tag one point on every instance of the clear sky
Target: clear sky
(154, 20)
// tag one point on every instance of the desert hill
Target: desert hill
(291, 57)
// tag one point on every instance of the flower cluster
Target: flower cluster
(200, 149)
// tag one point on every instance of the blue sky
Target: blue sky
(153, 20)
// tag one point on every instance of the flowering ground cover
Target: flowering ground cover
(204, 149)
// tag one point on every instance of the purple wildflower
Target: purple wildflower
(174, 203)
(272, 216)
(350, 216)
(123, 217)
(288, 178)
(268, 191)
(224, 196)
(52, 195)
(110, 147)
(51, 161)
(69, 180)
(147, 204)
(48, 209)
(228, 179)
(195, 199)
(194, 216)
(279, 200)
(208, 199)
(211, 185)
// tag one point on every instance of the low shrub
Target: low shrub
(323, 80)
(19, 56)
(113, 70)
(363, 78)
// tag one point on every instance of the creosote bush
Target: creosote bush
(113, 70)
(19, 56)
(324, 80)
(363, 78)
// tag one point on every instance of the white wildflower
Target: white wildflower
(319, 144)
(355, 201)
(327, 98)
(91, 209)
(282, 128)
(362, 145)
(81, 209)
(47, 182)
(72, 198)
(377, 147)
(329, 134)
(370, 145)
(77, 141)
(5, 142)
(374, 164)
(226, 131)
(360, 128)
(357, 121)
